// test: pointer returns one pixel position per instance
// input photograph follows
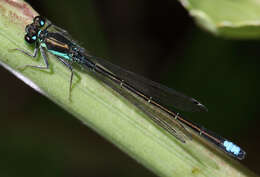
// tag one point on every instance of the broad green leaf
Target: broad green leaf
(228, 18)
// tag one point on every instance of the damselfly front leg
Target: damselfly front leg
(34, 55)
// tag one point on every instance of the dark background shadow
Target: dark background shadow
(152, 38)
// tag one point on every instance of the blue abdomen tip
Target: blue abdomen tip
(231, 147)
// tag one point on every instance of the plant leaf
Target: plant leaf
(228, 18)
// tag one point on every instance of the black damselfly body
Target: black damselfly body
(59, 43)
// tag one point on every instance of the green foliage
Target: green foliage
(233, 19)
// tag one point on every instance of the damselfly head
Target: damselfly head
(31, 33)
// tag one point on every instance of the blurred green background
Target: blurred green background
(156, 39)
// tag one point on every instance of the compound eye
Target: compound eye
(39, 21)
(30, 39)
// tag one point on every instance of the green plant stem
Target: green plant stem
(106, 112)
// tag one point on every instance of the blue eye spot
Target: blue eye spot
(42, 22)
(34, 38)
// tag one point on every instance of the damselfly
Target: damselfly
(151, 97)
